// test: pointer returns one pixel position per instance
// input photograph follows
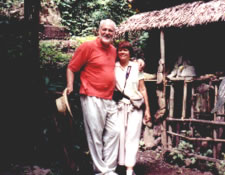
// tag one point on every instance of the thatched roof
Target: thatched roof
(187, 14)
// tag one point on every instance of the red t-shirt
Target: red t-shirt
(97, 68)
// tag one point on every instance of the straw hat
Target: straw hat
(62, 104)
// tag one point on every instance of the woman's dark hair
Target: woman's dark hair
(126, 45)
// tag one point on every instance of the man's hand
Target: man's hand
(141, 64)
(69, 89)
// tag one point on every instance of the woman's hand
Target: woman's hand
(147, 117)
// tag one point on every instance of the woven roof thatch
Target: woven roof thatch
(187, 14)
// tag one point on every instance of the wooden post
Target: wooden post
(171, 102)
(214, 129)
(162, 52)
(171, 113)
(192, 101)
(184, 101)
(221, 131)
(178, 132)
(192, 107)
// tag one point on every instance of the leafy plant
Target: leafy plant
(79, 40)
(53, 63)
(10, 10)
(181, 154)
(142, 145)
(83, 17)
(221, 166)
(51, 55)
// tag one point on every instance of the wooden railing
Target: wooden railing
(190, 120)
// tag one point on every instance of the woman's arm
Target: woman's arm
(143, 91)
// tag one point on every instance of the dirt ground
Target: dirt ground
(151, 163)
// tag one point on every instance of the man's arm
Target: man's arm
(141, 64)
(70, 79)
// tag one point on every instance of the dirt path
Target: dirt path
(148, 163)
(151, 163)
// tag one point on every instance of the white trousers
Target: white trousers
(130, 121)
(102, 131)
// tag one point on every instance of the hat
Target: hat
(62, 104)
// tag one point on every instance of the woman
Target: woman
(130, 81)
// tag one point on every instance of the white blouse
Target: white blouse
(131, 89)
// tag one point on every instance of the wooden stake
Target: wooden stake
(162, 51)
(171, 113)
(214, 129)
(184, 101)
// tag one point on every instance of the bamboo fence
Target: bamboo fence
(212, 122)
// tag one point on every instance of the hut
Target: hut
(194, 30)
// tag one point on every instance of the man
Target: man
(96, 60)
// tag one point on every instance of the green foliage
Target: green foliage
(181, 154)
(221, 166)
(138, 41)
(52, 57)
(53, 54)
(208, 165)
(83, 17)
(53, 63)
(50, 3)
(10, 10)
(142, 146)
(80, 40)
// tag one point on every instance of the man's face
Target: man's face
(106, 33)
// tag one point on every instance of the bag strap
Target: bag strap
(126, 77)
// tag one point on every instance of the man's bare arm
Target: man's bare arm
(70, 80)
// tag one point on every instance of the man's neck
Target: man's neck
(104, 45)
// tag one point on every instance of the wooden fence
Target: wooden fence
(190, 118)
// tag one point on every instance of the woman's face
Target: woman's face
(124, 54)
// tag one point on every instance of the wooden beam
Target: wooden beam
(196, 121)
(196, 139)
